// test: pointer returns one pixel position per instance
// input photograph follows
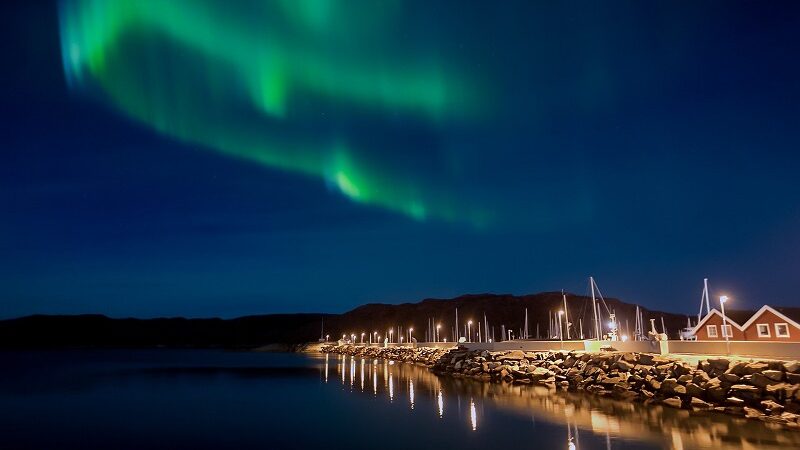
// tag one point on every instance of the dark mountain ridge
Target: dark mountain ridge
(94, 330)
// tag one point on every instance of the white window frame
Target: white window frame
(778, 334)
(727, 329)
(709, 329)
(765, 334)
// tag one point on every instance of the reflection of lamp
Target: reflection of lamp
(473, 415)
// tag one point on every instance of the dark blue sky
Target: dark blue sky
(649, 144)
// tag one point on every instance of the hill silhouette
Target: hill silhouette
(94, 330)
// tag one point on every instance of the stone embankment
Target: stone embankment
(763, 390)
(422, 355)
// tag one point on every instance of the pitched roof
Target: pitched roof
(714, 312)
(790, 315)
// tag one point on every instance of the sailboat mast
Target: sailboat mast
(566, 313)
(456, 327)
(525, 335)
(594, 309)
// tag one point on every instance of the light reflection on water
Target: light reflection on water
(440, 402)
(473, 416)
(166, 399)
(614, 423)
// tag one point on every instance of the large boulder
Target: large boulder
(719, 363)
(514, 355)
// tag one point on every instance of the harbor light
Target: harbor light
(722, 300)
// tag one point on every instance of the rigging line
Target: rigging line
(600, 294)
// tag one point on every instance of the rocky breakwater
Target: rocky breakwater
(768, 390)
(422, 355)
(765, 390)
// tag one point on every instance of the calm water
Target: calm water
(212, 399)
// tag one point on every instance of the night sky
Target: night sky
(204, 158)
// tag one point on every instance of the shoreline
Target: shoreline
(767, 391)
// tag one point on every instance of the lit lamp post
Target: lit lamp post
(375, 334)
(391, 335)
(362, 337)
(722, 301)
(469, 331)
(437, 337)
(327, 336)
(560, 331)
(410, 335)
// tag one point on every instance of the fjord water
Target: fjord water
(126, 399)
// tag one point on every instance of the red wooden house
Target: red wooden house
(766, 324)
(773, 324)
(710, 328)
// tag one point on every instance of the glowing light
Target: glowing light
(624, 338)
(362, 375)
(723, 299)
(352, 371)
(391, 387)
(440, 403)
(244, 89)
(374, 378)
(473, 415)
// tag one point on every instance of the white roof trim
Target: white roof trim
(773, 311)
(708, 316)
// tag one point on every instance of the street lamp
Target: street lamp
(410, 335)
(722, 301)
(438, 327)
(560, 331)
(362, 337)
(327, 336)
(391, 335)
(469, 331)
(375, 334)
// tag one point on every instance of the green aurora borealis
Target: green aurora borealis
(257, 81)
